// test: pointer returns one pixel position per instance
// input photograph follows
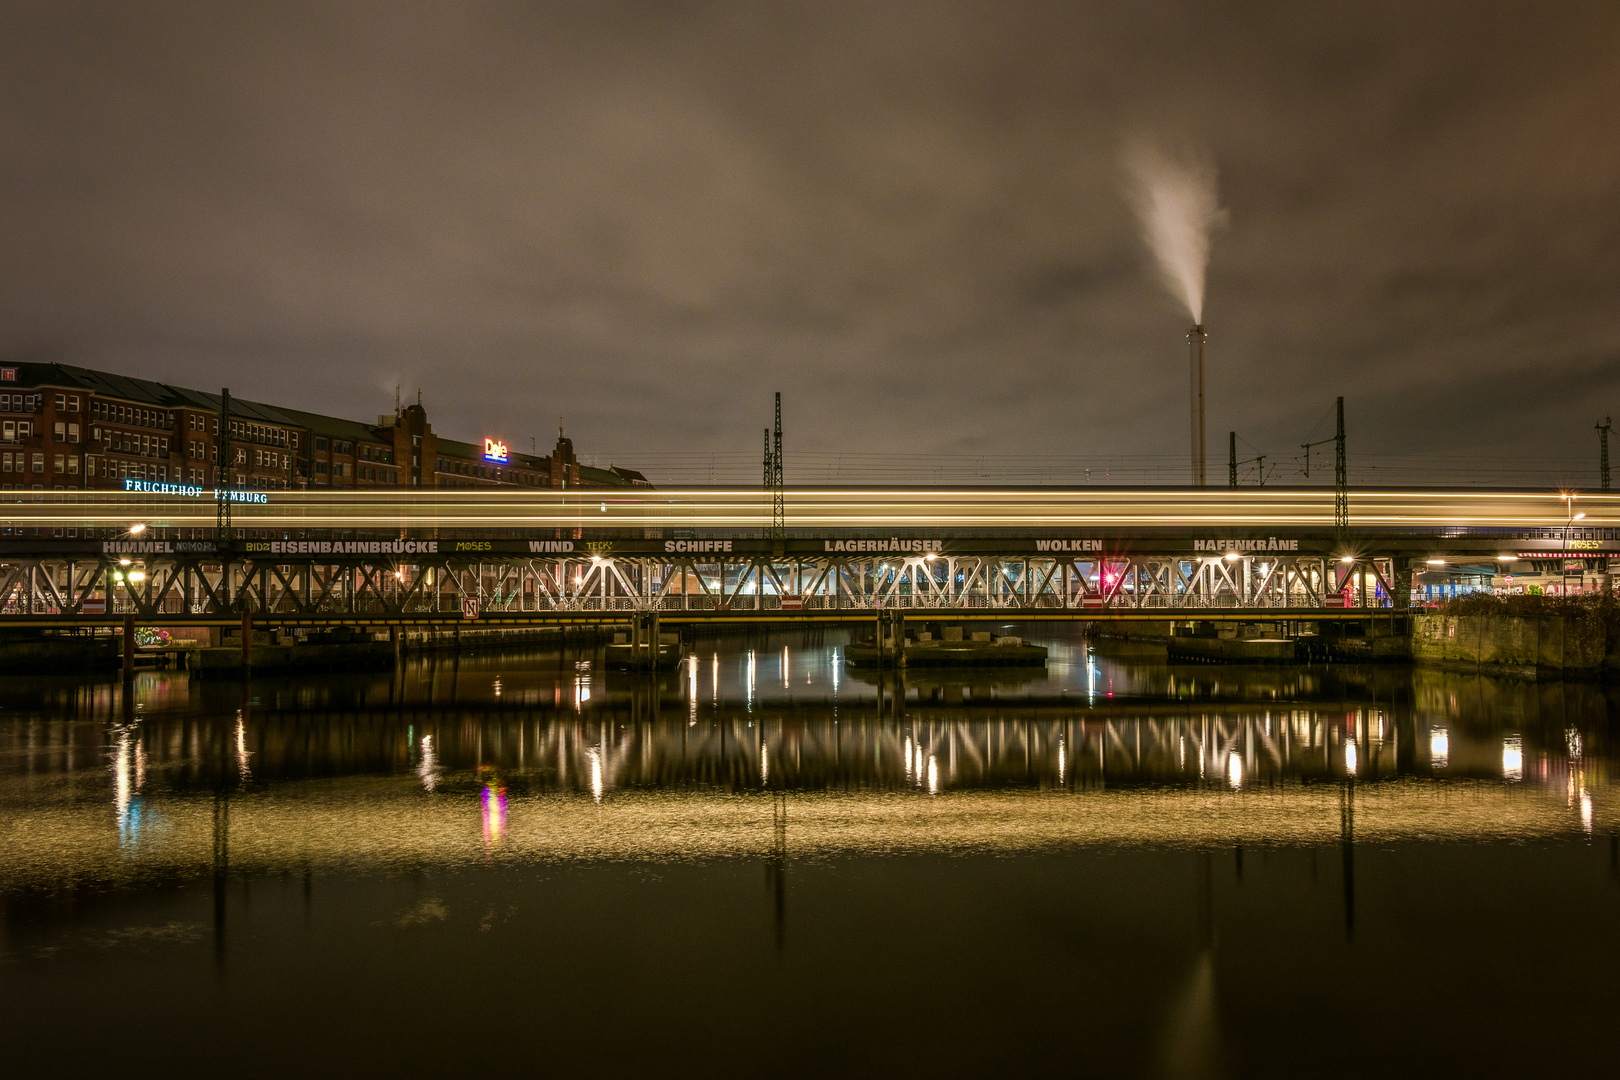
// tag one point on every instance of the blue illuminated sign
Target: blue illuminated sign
(154, 488)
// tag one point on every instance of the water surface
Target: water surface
(765, 860)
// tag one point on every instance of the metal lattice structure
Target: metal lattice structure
(1341, 485)
(222, 473)
(1603, 454)
(177, 587)
(774, 481)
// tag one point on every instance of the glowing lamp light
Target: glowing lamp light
(1232, 556)
(1578, 516)
(1507, 558)
(139, 527)
(495, 450)
(137, 575)
(1439, 747)
(123, 562)
(1513, 758)
(1437, 562)
(930, 556)
(1347, 558)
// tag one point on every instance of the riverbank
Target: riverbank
(1528, 637)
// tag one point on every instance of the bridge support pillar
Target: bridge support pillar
(129, 645)
(891, 637)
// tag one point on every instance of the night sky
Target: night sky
(908, 217)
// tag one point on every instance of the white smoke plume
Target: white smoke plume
(1174, 196)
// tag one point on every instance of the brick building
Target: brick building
(69, 427)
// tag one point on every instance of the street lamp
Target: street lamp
(1563, 562)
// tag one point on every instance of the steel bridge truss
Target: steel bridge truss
(177, 585)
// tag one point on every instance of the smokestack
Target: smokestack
(1195, 362)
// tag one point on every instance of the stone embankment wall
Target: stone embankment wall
(1515, 644)
(56, 654)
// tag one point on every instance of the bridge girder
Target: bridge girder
(169, 586)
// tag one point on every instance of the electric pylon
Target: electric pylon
(1603, 454)
(222, 472)
(1341, 485)
(778, 500)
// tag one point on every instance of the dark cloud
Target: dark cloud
(646, 217)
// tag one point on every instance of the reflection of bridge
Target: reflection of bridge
(454, 789)
(527, 556)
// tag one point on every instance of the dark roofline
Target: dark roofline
(169, 396)
(321, 424)
(602, 476)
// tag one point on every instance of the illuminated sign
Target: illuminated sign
(1271, 543)
(191, 492)
(891, 544)
(495, 450)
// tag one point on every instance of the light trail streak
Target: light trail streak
(819, 509)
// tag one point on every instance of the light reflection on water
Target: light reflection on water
(1219, 756)
(462, 801)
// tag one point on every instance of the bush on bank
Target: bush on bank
(1603, 607)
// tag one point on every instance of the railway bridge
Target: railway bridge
(161, 554)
